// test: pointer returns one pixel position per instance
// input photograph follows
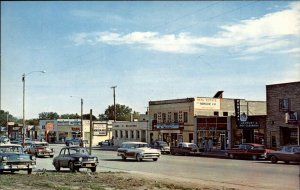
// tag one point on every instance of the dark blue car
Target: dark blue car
(71, 142)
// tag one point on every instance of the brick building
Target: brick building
(283, 109)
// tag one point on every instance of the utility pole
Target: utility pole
(91, 130)
(115, 113)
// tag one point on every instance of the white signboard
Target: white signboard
(207, 103)
(100, 129)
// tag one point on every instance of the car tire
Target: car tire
(138, 157)
(1, 171)
(231, 156)
(172, 152)
(29, 171)
(155, 159)
(72, 167)
(57, 166)
(123, 157)
(93, 169)
(254, 157)
(274, 159)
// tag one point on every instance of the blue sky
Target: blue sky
(149, 50)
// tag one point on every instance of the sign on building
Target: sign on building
(100, 129)
(207, 103)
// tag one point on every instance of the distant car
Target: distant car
(75, 157)
(4, 140)
(104, 143)
(71, 142)
(138, 151)
(162, 146)
(184, 148)
(13, 158)
(248, 150)
(40, 149)
(285, 153)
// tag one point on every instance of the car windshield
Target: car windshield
(134, 145)
(78, 151)
(11, 149)
(296, 149)
(258, 147)
(163, 143)
(41, 144)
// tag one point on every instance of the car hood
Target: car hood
(13, 156)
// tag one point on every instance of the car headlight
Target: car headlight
(4, 158)
(32, 157)
(80, 159)
(95, 159)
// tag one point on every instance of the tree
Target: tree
(87, 117)
(48, 115)
(70, 116)
(123, 113)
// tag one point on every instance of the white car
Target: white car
(138, 151)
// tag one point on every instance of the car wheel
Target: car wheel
(138, 157)
(155, 159)
(172, 152)
(274, 159)
(1, 171)
(29, 171)
(71, 166)
(93, 169)
(123, 157)
(231, 156)
(254, 157)
(57, 166)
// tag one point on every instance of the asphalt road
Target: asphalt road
(240, 174)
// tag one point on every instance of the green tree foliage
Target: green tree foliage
(34, 122)
(87, 117)
(70, 116)
(4, 116)
(48, 115)
(123, 113)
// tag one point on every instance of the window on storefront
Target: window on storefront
(284, 104)
(116, 134)
(180, 117)
(137, 134)
(126, 134)
(164, 117)
(132, 136)
(185, 117)
(155, 116)
(169, 117)
(121, 134)
(225, 113)
(216, 113)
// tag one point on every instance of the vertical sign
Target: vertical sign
(237, 111)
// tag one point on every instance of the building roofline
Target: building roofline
(282, 83)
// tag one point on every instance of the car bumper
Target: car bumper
(150, 156)
(11, 167)
(86, 164)
(42, 154)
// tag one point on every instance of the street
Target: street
(240, 174)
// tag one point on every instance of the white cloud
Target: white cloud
(273, 31)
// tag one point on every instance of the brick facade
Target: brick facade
(283, 110)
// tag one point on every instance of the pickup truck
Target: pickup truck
(184, 148)
(248, 150)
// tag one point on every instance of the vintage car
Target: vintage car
(13, 158)
(75, 157)
(104, 143)
(138, 151)
(184, 148)
(71, 142)
(162, 146)
(40, 149)
(285, 153)
(248, 150)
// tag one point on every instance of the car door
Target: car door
(63, 157)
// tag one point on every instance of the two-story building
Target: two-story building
(283, 109)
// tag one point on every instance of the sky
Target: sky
(150, 50)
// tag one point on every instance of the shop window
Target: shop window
(137, 134)
(216, 113)
(121, 134)
(169, 117)
(284, 104)
(225, 113)
(180, 117)
(126, 134)
(132, 136)
(185, 117)
(116, 134)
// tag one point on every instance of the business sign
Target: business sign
(167, 126)
(100, 129)
(68, 122)
(207, 103)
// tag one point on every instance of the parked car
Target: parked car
(285, 153)
(4, 140)
(162, 146)
(75, 157)
(40, 149)
(184, 148)
(248, 150)
(71, 142)
(138, 151)
(13, 158)
(104, 143)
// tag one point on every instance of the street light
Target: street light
(81, 126)
(23, 80)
